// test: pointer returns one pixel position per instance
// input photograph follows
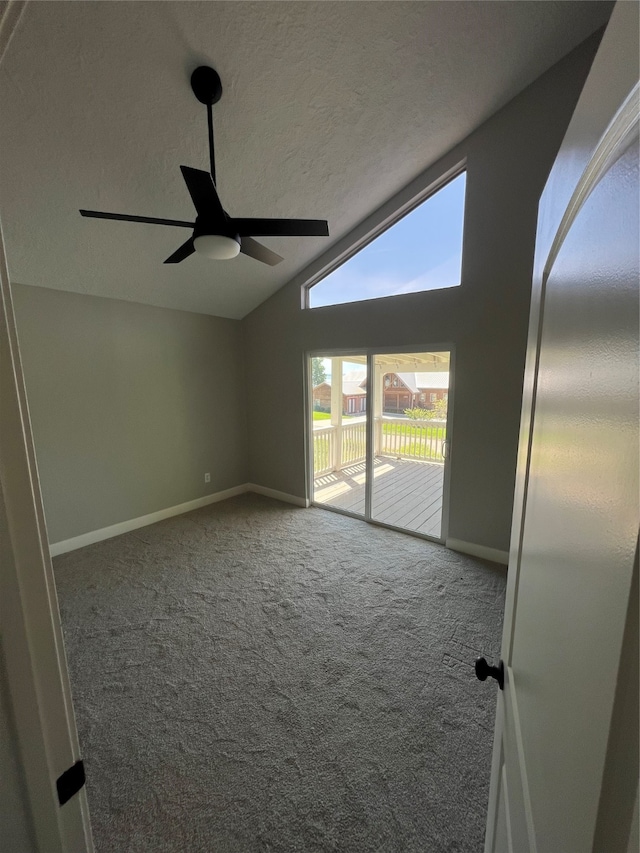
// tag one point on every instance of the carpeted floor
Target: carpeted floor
(256, 677)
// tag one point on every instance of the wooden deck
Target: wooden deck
(405, 493)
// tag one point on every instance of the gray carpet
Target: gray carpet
(256, 677)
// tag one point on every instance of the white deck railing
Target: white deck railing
(411, 439)
(323, 450)
(335, 447)
(354, 443)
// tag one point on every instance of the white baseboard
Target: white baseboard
(481, 551)
(276, 495)
(81, 541)
(84, 539)
(142, 521)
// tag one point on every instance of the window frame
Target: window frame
(383, 223)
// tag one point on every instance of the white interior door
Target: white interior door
(569, 609)
(30, 624)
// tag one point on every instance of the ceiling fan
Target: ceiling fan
(215, 233)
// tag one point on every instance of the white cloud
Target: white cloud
(349, 285)
(446, 274)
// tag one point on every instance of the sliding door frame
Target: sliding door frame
(308, 431)
(370, 353)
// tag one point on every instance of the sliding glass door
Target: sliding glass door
(379, 443)
(410, 405)
(339, 431)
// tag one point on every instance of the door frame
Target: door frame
(369, 353)
(32, 645)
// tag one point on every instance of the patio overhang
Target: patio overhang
(428, 362)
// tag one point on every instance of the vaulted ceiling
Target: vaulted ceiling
(329, 108)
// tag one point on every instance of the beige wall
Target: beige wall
(508, 160)
(130, 406)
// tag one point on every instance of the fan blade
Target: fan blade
(280, 227)
(95, 214)
(183, 252)
(203, 194)
(256, 250)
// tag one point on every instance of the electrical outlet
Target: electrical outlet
(207, 478)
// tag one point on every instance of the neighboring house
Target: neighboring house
(401, 391)
(414, 390)
(354, 394)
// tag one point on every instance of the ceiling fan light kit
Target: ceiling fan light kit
(215, 234)
(217, 246)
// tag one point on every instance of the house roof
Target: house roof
(353, 383)
(421, 381)
(298, 128)
(353, 389)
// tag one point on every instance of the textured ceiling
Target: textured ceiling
(328, 110)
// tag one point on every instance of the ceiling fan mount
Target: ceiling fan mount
(216, 234)
(206, 85)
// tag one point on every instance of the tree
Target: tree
(418, 414)
(440, 410)
(318, 372)
(437, 412)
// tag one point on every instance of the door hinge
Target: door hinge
(70, 782)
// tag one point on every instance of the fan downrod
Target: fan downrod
(206, 85)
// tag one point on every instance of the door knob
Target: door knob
(483, 671)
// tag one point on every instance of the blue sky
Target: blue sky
(423, 251)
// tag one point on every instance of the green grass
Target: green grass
(325, 416)
(414, 432)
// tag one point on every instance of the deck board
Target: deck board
(392, 496)
(406, 493)
(422, 498)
